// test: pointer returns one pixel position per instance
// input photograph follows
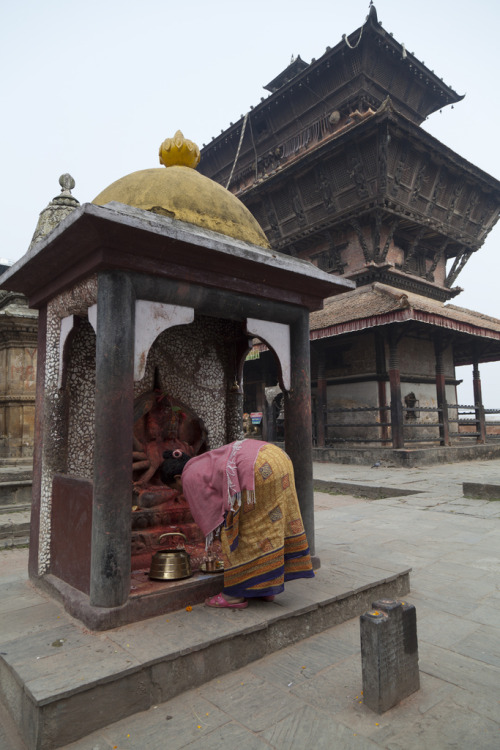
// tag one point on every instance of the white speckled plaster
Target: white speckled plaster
(194, 365)
(80, 402)
(54, 452)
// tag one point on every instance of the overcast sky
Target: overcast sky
(93, 88)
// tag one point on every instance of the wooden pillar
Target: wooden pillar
(478, 403)
(444, 428)
(321, 400)
(298, 426)
(268, 419)
(395, 385)
(381, 385)
(114, 401)
(260, 396)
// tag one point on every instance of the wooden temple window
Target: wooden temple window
(331, 260)
(413, 260)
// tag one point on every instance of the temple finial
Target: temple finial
(57, 210)
(372, 12)
(179, 151)
(67, 184)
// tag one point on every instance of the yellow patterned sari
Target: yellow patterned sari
(263, 541)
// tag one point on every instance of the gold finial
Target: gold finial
(179, 151)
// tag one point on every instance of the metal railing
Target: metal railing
(415, 428)
(329, 426)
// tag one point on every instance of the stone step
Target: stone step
(22, 508)
(371, 492)
(14, 527)
(21, 461)
(481, 491)
(61, 682)
(15, 491)
(15, 473)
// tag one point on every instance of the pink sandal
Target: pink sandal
(219, 602)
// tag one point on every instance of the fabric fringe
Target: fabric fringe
(232, 473)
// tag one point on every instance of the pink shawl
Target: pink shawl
(212, 483)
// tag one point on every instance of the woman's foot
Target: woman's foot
(221, 600)
(269, 598)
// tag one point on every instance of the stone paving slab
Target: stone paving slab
(460, 670)
(310, 727)
(442, 482)
(453, 708)
(482, 644)
(61, 680)
(456, 566)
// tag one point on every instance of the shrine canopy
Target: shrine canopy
(127, 287)
(177, 224)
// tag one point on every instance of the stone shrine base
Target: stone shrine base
(148, 598)
(61, 681)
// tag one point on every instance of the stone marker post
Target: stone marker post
(389, 654)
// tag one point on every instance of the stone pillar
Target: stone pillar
(321, 401)
(478, 403)
(298, 426)
(444, 428)
(112, 502)
(389, 654)
(396, 405)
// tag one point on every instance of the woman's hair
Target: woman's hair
(172, 466)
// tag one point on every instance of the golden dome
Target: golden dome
(182, 193)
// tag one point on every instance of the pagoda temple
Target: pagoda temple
(336, 168)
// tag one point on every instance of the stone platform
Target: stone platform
(481, 491)
(15, 502)
(407, 458)
(60, 681)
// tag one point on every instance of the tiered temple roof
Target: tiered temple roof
(336, 168)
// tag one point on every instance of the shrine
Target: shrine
(147, 300)
(335, 166)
